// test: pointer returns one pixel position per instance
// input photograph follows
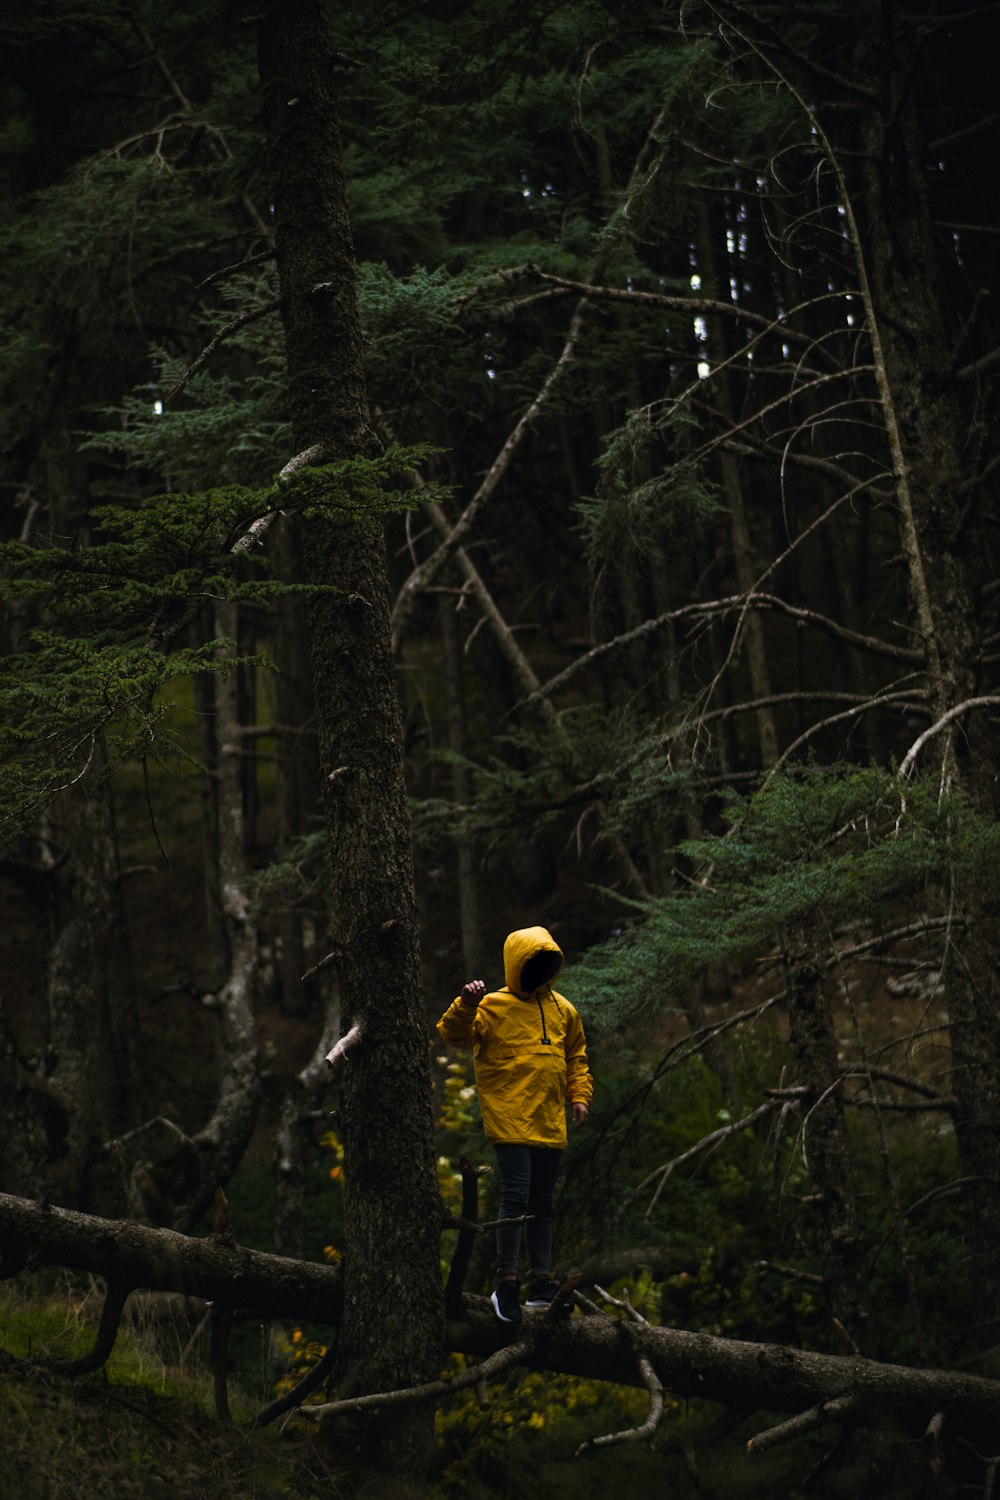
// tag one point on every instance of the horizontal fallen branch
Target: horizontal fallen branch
(744, 1375)
(133, 1255)
(736, 1373)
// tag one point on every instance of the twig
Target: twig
(477, 1375)
(428, 570)
(585, 1305)
(324, 963)
(623, 1302)
(721, 607)
(692, 305)
(665, 1172)
(240, 265)
(792, 1271)
(989, 700)
(232, 327)
(311, 1381)
(654, 1386)
(827, 1411)
(456, 1221)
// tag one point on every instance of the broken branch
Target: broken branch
(476, 1375)
(111, 1315)
(634, 1434)
(347, 1041)
(827, 1411)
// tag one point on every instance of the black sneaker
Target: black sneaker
(506, 1302)
(542, 1292)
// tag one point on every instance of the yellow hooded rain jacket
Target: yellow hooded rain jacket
(529, 1049)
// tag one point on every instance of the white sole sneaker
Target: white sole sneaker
(502, 1316)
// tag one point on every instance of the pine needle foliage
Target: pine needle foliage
(531, 777)
(816, 846)
(112, 614)
(650, 495)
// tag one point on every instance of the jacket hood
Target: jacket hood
(522, 945)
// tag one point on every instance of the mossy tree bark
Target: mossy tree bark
(392, 1329)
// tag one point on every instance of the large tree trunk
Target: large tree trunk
(393, 1308)
(942, 542)
(221, 1142)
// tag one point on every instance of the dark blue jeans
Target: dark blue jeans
(527, 1186)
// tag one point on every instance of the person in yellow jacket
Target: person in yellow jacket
(530, 1058)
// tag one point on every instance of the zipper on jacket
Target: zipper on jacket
(546, 1039)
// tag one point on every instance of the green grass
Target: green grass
(141, 1428)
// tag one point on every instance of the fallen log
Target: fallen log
(736, 1373)
(744, 1375)
(132, 1255)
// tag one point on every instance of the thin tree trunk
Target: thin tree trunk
(298, 795)
(744, 565)
(83, 889)
(211, 1156)
(78, 1032)
(470, 905)
(836, 1232)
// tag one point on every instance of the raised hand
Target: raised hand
(473, 992)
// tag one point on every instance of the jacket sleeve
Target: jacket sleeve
(579, 1083)
(457, 1024)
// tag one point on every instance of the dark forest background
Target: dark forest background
(680, 340)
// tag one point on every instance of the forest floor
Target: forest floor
(138, 1430)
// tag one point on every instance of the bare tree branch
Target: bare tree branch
(426, 572)
(476, 1375)
(827, 1411)
(909, 759)
(642, 1434)
(111, 1315)
(347, 1041)
(696, 306)
(719, 608)
(662, 1174)
(233, 326)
